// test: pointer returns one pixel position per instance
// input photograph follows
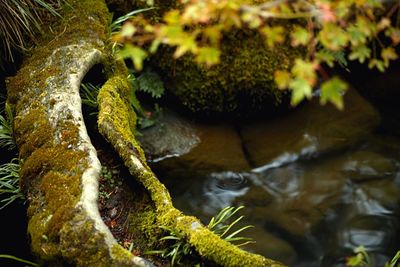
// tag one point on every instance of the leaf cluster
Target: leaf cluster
(331, 32)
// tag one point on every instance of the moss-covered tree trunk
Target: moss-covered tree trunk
(59, 165)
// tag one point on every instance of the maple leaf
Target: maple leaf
(300, 89)
(332, 91)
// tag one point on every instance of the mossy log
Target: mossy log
(59, 165)
(115, 121)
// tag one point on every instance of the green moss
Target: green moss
(32, 131)
(242, 80)
(52, 162)
(82, 244)
(54, 175)
(91, 27)
(37, 229)
(117, 115)
(144, 225)
(243, 77)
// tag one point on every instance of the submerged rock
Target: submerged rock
(301, 197)
(311, 129)
(272, 246)
(218, 148)
(365, 165)
(171, 136)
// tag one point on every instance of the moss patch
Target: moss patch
(53, 161)
(244, 78)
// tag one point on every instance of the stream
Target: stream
(315, 183)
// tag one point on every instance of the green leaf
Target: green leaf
(213, 33)
(333, 37)
(150, 82)
(356, 36)
(300, 36)
(273, 35)
(187, 44)
(388, 53)
(332, 91)
(305, 70)
(117, 23)
(395, 259)
(11, 257)
(367, 27)
(208, 55)
(127, 30)
(360, 53)
(355, 261)
(154, 45)
(172, 35)
(300, 89)
(282, 79)
(172, 17)
(136, 54)
(376, 63)
(326, 56)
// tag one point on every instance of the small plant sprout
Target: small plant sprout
(220, 226)
(116, 25)
(9, 183)
(179, 247)
(89, 96)
(362, 259)
(6, 132)
(395, 261)
(11, 257)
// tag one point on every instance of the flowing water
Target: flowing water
(315, 184)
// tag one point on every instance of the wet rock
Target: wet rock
(299, 196)
(219, 149)
(273, 247)
(365, 165)
(255, 197)
(385, 192)
(310, 129)
(371, 231)
(171, 136)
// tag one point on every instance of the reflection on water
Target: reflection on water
(221, 189)
(315, 184)
(313, 210)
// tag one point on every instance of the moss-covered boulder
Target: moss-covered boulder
(242, 80)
